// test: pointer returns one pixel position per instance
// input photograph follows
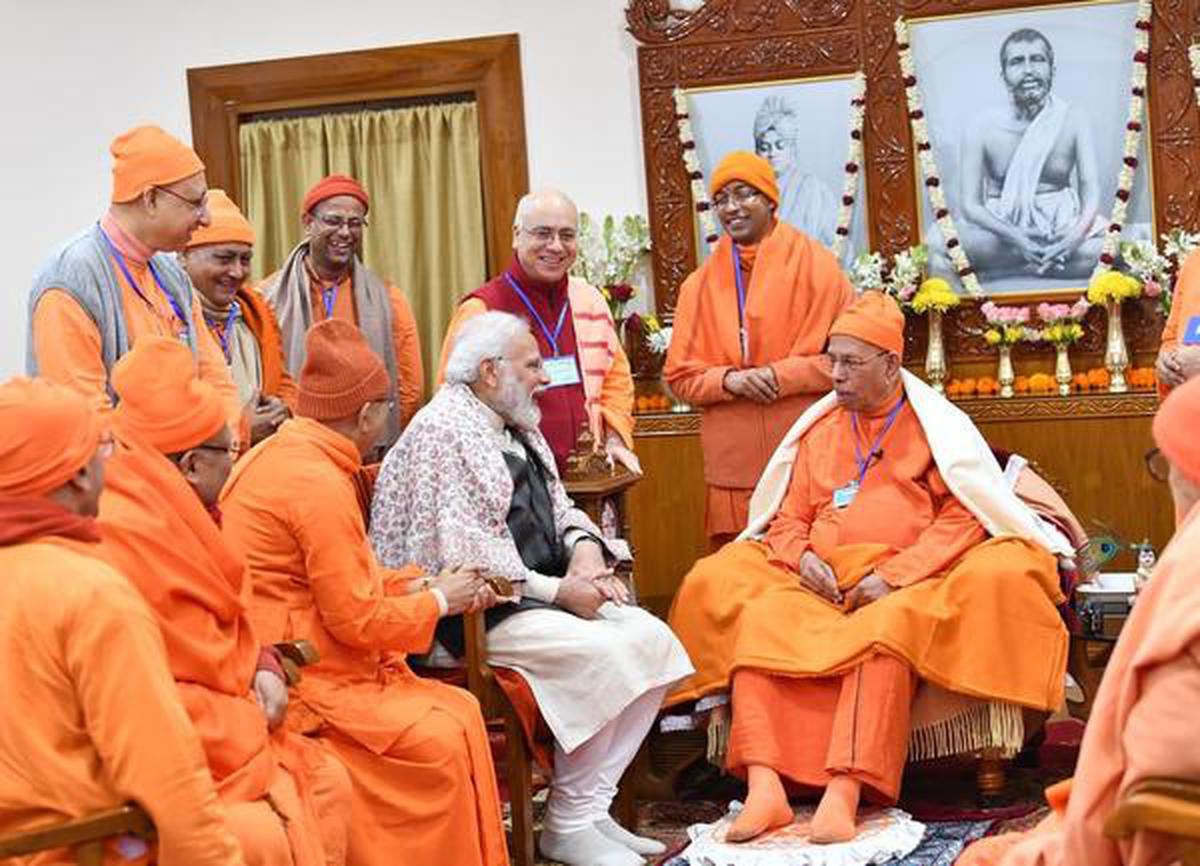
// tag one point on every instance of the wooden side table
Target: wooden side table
(1101, 618)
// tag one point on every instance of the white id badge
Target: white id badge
(843, 496)
(562, 370)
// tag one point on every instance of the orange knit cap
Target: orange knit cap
(873, 318)
(749, 168)
(226, 223)
(162, 402)
(47, 433)
(1175, 428)
(341, 373)
(147, 156)
(335, 184)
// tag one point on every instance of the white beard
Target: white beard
(517, 407)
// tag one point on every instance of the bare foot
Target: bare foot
(834, 819)
(766, 806)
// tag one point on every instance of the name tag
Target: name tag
(1191, 332)
(562, 370)
(843, 496)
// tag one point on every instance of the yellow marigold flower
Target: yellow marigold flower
(1113, 286)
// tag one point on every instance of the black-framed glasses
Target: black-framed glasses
(1158, 466)
(196, 204)
(337, 223)
(852, 365)
(738, 195)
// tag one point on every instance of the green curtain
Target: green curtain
(419, 164)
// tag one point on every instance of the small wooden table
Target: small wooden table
(1102, 615)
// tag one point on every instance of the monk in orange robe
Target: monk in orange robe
(116, 282)
(285, 798)
(749, 329)
(590, 383)
(424, 787)
(1143, 722)
(1179, 352)
(91, 718)
(872, 571)
(217, 259)
(324, 278)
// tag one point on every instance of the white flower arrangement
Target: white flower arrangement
(854, 159)
(866, 273)
(1155, 268)
(1194, 59)
(704, 207)
(659, 341)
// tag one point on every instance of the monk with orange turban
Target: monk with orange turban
(1143, 722)
(115, 282)
(424, 786)
(749, 328)
(324, 278)
(865, 567)
(91, 718)
(285, 798)
(217, 259)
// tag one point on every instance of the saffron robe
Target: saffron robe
(1185, 304)
(99, 722)
(793, 293)
(283, 795)
(424, 785)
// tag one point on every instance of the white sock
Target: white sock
(586, 847)
(635, 843)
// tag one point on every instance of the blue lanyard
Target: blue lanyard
(743, 335)
(551, 339)
(329, 299)
(865, 463)
(120, 260)
(223, 334)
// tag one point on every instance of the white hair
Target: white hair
(481, 337)
(532, 199)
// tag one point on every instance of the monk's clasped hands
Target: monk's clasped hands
(817, 576)
(870, 588)
(757, 383)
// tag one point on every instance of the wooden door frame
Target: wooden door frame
(488, 68)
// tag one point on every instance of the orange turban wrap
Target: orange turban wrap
(873, 318)
(335, 184)
(47, 434)
(1175, 428)
(226, 223)
(341, 373)
(749, 168)
(162, 402)
(146, 156)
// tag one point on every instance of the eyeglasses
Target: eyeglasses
(196, 204)
(545, 234)
(229, 450)
(1158, 466)
(852, 365)
(734, 196)
(337, 223)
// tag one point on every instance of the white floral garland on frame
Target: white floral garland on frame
(1133, 138)
(1194, 59)
(687, 138)
(929, 169)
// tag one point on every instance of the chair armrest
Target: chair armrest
(293, 655)
(128, 819)
(1170, 806)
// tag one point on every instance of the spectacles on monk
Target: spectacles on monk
(196, 204)
(735, 196)
(230, 450)
(851, 364)
(337, 223)
(1158, 466)
(545, 234)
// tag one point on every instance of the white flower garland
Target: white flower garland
(1133, 137)
(1194, 57)
(933, 182)
(704, 207)
(854, 160)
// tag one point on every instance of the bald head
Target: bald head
(545, 231)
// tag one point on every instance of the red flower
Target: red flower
(633, 323)
(621, 292)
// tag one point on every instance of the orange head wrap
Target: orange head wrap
(341, 373)
(162, 403)
(873, 318)
(49, 433)
(335, 184)
(146, 156)
(226, 223)
(749, 168)
(1175, 428)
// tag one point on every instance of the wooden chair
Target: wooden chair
(1167, 806)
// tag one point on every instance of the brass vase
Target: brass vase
(1062, 369)
(1005, 375)
(935, 355)
(1116, 354)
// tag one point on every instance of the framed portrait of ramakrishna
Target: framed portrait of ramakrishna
(1026, 111)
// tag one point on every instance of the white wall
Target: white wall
(77, 73)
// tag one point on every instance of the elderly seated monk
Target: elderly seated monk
(867, 566)
(1143, 722)
(473, 480)
(90, 718)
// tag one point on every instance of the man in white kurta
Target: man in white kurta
(472, 481)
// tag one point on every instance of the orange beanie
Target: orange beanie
(749, 168)
(162, 402)
(1175, 428)
(335, 184)
(147, 156)
(873, 318)
(341, 373)
(226, 223)
(47, 433)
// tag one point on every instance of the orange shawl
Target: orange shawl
(260, 320)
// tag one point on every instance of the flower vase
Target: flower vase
(1005, 375)
(935, 355)
(1116, 355)
(1062, 369)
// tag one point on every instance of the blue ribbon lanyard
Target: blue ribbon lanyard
(552, 339)
(223, 334)
(329, 299)
(743, 334)
(865, 463)
(120, 260)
